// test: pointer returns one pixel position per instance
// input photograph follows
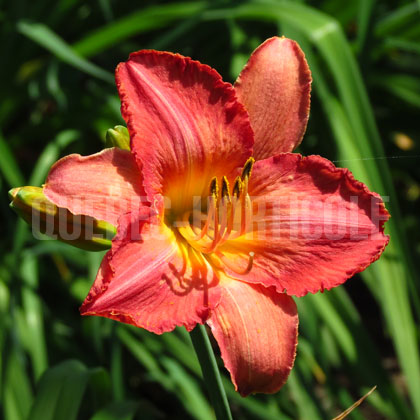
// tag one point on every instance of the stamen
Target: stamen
(221, 211)
(204, 230)
(211, 214)
(219, 231)
(248, 215)
(214, 188)
(246, 211)
(228, 265)
(237, 187)
(216, 221)
(225, 189)
(231, 210)
(225, 210)
(211, 211)
(246, 171)
(243, 210)
(246, 205)
(213, 203)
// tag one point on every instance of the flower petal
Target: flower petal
(185, 123)
(275, 88)
(148, 281)
(256, 329)
(104, 185)
(314, 225)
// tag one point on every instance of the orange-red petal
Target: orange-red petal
(275, 88)
(146, 280)
(185, 124)
(104, 185)
(314, 225)
(256, 329)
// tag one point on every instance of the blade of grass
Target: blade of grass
(49, 40)
(106, 9)
(124, 410)
(398, 19)
(255, 406)
(346, 327)
(154, 17)
(144, 356)
(306, 407)
(17, 393)
(363, 23)
(116, 366)
(171, 35)
(60, 391)
(176, 379)
(180, 349)
(4, 323)
(195, 402)
(32, 306)
(403, 86)
(401, 44)
(53, 84)
(8, 166)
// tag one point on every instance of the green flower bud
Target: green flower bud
(118, 137)
(45, 217)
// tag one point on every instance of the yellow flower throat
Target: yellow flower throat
(228, 217)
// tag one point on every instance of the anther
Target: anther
(225, 189)
(224, 209)
(246, 171)
(237, 187)
(214, 188)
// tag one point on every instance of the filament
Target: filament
(228, 217)
(228, 265)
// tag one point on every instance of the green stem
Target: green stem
(211, 374)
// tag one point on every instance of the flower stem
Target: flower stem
(211, 374)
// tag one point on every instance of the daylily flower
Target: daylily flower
(217, 222)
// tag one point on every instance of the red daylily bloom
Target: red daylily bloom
(268, 229)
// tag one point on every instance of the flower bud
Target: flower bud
(45, 217)
(118, 137)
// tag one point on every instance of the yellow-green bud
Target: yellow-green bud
(45, 217)
(118, 137)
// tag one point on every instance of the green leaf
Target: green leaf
(398, 19)
(307, 409)
(8, 166)
(17, 393)
(138, 22)
(32, 307)
(122, 410)
(60, 391)
(48, 39)
(403, 86)
(189, 391)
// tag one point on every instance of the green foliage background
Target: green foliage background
(57, 96)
